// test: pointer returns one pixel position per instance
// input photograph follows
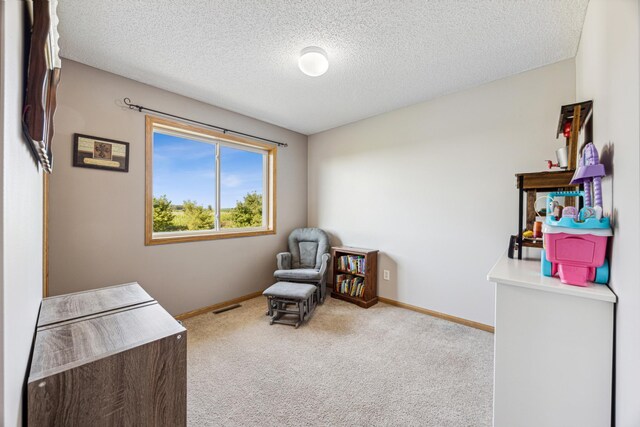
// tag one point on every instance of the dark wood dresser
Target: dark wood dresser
(110, 356)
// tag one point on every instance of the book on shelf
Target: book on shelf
(350, 285)
(352, 263)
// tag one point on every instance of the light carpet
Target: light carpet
(383, 366)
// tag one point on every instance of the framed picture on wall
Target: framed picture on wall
(100, 153)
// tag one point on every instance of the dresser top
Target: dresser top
(525, 273)
(66, 345)
(66, 307)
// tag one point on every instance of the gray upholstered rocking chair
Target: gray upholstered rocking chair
(307, 259)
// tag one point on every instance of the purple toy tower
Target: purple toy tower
(575, 245)
(589, 171)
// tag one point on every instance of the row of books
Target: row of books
(350, 285)
(352, 264)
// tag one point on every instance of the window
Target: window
(202, 184)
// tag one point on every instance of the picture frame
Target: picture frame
(100, 153)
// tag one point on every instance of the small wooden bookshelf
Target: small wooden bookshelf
(360, 269)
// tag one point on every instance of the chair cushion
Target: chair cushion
(308, 251)
(296, 291)
(307, 245)
(304, 274)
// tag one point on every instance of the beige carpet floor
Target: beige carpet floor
(384, 366)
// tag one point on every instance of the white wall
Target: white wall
(21, 225)
(607, 71)
(96, 217)
(432, 186)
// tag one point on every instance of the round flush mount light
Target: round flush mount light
(313, 61)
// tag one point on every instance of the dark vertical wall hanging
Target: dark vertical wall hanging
(43, 76)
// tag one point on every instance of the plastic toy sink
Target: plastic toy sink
(575, 249)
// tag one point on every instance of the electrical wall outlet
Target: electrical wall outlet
(385, 274)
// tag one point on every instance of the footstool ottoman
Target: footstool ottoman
(282, 295)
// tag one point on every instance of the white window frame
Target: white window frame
(219, 139)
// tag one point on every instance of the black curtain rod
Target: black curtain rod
(132, 106)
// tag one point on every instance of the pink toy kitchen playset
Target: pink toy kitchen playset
(575, 243)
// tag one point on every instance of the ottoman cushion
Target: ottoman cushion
(298, 274)
(295, 291)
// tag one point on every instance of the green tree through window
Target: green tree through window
(197, 217)
(163, 216)
(192, 216)
(247, 213)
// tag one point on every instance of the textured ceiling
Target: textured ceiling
(242, 55)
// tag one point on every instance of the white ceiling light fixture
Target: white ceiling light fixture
(313, 61)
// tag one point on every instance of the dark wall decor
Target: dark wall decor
(100, 153)
(43, 76)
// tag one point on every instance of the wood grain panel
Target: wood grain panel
(73, 344)
(542, 180)
(531, 208)
(572, 149)
(353, 250)
(71, 306)
(143, 386)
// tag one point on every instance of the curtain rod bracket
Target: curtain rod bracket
(132, 106)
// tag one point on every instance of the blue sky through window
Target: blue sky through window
(240, 173)
(185, 169)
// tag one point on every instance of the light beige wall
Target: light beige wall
(432, 186)
(21, 222)
(607, 71)
(97, 217)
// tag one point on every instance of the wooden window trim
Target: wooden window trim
(152, 122)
